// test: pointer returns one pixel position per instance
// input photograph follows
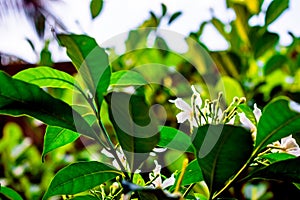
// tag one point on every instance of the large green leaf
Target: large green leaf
(175, 139)
(46, 77)
(275, 9)
(127, 78)
(20, 98)
(10, 193)
(221, 151)
(91, 61)
(79, 177)
(286, 170)
(56, 137)
(276, 122)
(137, 132)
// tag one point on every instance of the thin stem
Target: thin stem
(112, 149)
(188, 190)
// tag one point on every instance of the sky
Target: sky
(119, 16)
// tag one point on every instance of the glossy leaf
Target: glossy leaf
(286, 170)
(20, 98)
(174, 16)
(275, 62)
(91, 61)
(79, 177)
(127, 78)
(275, 157)
(96, 7)
(175, 139)
(56, 137)
(10, 193)
(193, 174)
(136, 131)
(46, 77)
(221, 151)
(275, 9)
(277, 121)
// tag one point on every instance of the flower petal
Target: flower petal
(181, 104)
(168, 182)
(294, 106)
(246, 122)
(183, 116)
(256, 112)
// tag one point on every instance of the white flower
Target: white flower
(158, 183)
(188, 112)
(248, 124)
(294, 106)
(288, 145)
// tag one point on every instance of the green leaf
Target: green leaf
(221, 151)
(96, 7)
(19, 98)
(174, 16)
(193, 174)
(136, 131)
(79, 177)
(10, 193)
(175, 139)
(163, 9)
(127, 78)
(275, 9)
(277, 121)
(264, 43)
(275, 62)
(56, 137)
(220, 26)
(91, 61)
(275, 157)
(46, 77)
(286, 170)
